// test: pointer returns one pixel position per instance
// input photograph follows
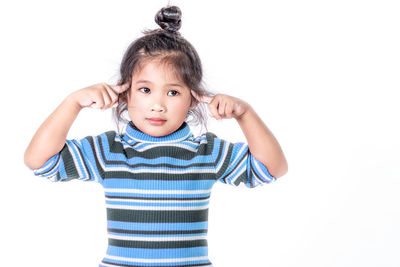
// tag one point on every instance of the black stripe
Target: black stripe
(160, 176)
(208, 147)
(129, 265)
(241, 179)
(154, 152)
(161, 198)
(166, 150)
(157, 216)
(181, 232)
(252, 174)
(69, 164)
(97, 160)
(225, 163)
(157, 244)
(237, 167)
(163, 151)
(162, 165)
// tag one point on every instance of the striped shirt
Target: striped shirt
(157, 189)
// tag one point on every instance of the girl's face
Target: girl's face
(157, 101)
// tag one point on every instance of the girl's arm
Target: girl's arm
(262, 143)
(50, 138)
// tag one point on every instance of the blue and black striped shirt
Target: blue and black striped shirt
(157, 190)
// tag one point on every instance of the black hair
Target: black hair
(169, 47)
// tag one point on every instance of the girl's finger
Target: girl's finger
(121, 88)
(229, 110)
(221, 108)
(113, 96)
(213, 108)
(238, 110)
(98, 101)
(203, 98)
(107, 99)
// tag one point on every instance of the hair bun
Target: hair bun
(169, 18)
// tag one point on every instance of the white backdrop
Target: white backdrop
(323, 75)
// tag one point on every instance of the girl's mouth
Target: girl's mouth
(156, 121)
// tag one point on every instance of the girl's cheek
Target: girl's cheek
(133, 97)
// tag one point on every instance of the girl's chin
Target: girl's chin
(156, 128)
(156, 131)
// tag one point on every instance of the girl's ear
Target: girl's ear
(124, 97)
(125, 91)
(193, 103)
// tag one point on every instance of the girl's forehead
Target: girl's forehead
(155, 68)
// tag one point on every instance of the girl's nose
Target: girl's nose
(157, 102)
(157, 107)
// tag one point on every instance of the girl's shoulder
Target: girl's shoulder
(104, 139)
(208, 142)
(204, 138)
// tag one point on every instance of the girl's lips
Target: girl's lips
(156, 121)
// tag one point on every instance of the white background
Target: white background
(323, 75)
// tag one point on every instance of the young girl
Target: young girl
(156, 175)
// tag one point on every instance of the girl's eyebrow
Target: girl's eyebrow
(170, 84)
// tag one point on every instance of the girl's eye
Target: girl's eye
(173, 93)
(145, 90)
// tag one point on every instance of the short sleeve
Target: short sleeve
(236, 166)
(78, 159)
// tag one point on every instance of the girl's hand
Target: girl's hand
(99, 96)
(223, 106)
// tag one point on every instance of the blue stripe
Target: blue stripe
(160, 160)
(182, 196)
(234, 175)
(158, 253)
(111, 183)
(236, 158)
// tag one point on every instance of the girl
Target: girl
(156, 175)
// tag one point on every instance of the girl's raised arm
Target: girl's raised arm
(262, 143)
(50, 138)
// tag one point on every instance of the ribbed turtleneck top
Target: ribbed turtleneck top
(157, 190)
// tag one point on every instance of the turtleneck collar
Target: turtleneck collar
(133, 134)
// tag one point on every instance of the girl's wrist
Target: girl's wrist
(245, 114)
(72, 100)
